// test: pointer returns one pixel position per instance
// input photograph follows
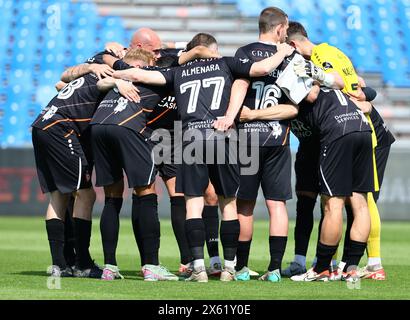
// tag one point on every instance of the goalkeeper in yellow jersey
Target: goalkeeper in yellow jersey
(336, 70)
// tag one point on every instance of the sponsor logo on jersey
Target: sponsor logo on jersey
(50, 113)
(276, 129)
(327, 65)
(121, 105)
(262, 54)
(168, 102)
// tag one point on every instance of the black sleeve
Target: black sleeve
(169, 75)
(241, 54)
(370, 93)
(170, 52)
(240, 68)
(121, 65)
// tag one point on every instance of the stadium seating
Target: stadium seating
(41, 38)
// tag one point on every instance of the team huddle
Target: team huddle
(215, 129)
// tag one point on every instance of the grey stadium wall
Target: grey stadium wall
(20, 193)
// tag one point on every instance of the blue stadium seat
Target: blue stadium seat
(282, 4)
(250, 8)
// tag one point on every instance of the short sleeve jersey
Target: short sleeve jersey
(262, 93)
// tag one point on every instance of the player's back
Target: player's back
(114, 109)
(73, 107)
(202, 89)
(335, 115)
(263, 93)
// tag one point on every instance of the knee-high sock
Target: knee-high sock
(178, 216)
(136, 225)
(277, 246)
(373, 243)
(304, 223)
(242, 254)
(211, 222)
(69, 242)
(148, 228)
(109, 228)
(229, 239)
(55, 233)
(82, 232)
(195, 233)
(349, 223)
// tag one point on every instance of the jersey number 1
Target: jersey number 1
(195, 86)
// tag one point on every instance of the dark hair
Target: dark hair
(166, 61)
(296, 29)
(270, 18)
(201, 39)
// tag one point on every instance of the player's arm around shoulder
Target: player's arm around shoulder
(197, 53)
(125, 88)
(140, 75)
(266, 66)
(365, 106)
(238, 93)
(277, 112)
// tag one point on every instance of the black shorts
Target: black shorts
(346, 165)
(63, 162)
(221, 169)
(274, 174)
(382, 155)
(117, 148)
(167, 168)
(307, 169)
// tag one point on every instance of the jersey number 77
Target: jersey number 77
(195, 86)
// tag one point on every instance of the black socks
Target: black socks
(304, 223)
(55, 233)
(211, 222)
(277, 246)
(69, 242)
(242, 254)
(109, 227)
(324, 255)
(355, 252)
(195, 233)
(349, 223)
(229, 238)
(82, 232)
(178, 216)
(146, 227)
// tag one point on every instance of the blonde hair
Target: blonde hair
(139, 54)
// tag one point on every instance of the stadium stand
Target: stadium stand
(40, 38)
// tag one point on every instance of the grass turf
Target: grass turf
(24, 257)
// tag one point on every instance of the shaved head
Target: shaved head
(146, 39)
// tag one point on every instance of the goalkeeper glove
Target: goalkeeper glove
(306, 69)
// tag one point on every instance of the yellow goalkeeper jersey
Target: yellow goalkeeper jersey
(330, 59)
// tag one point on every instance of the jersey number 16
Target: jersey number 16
(266, 96)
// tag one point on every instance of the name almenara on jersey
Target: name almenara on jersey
(200, 69)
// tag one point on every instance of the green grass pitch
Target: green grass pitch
(24, 257)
